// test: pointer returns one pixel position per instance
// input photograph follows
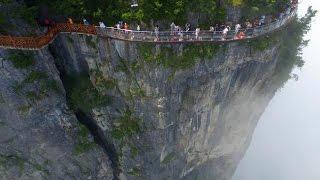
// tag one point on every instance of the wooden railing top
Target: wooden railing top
(43, 40)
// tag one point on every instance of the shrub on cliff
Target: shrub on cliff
(21, 59)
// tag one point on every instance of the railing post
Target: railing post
(12, 41)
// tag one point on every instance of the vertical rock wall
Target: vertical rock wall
(40, 137)
(197, 105)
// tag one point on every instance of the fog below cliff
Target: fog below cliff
(285, 144)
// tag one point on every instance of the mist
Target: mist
(285, 144)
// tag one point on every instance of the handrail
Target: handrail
(143, 36)
(43, 40)
(191, 36)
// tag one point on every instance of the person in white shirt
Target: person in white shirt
(102, 25)
(225, 32)
(237, 28)
(197, 32)
(172, 28)
(118, 26)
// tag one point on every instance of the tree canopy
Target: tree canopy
(147, 11)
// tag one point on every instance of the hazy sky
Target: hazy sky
(286, 142)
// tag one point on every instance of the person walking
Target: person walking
(126, 26)
(211, 30)
(85, 22)
(172, 28)
(187, 29)
(156, 32)
(237, 28)
(197, 33)
(262, 20)
(102, 25)
(187, 26)
(118, 26)
(225, 32)
(70, 21)
(180, 33)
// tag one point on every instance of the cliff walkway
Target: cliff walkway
(33, 43)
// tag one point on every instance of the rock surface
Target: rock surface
(39, 135)
(197, 104)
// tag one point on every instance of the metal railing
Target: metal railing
(143, 36)
(192, 36)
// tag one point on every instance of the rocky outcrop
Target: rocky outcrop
(40, 137)
(97, 108)
(176, 109)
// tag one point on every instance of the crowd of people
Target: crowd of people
(220, 31)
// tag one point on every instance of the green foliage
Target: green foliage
(22, 59)
(114, 10)
(100, 82)
(135, 171)
(169, 58)
(84, 144)
(293, 42)
(26, 13)
(32, 96)
(17, 87)
(3, 124)
(256, 8)
(69, 39)
(2, 99)
(50, 84)
(168, 158)
(18, 10)
(122, 66)
(3, 20)
(136, 92)
(134, 151)
(24, 109)
(290, 42)
(83, 95)
(126, 126)
(91, 42)
(35, 76)
(5, 1)
(148, 11)
(262, 43)
(236, 2)
(7, 161)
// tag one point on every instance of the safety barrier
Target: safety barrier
(43, 40)
(144, 36)
(192, 36)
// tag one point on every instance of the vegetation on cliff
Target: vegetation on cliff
(82, 95)
(148, 11)
(176, 59)
(291, 41)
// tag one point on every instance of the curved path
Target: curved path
(33, 43)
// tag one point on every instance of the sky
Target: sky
(286, 141)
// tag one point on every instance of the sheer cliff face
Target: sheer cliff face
(177, 111)
(40, 138)
(181, 111)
